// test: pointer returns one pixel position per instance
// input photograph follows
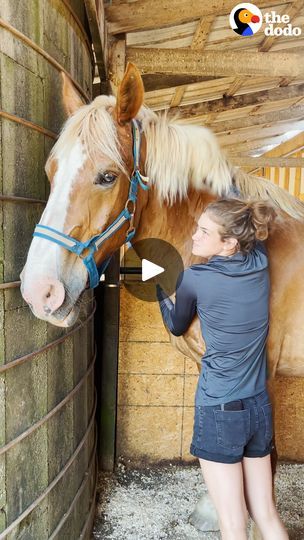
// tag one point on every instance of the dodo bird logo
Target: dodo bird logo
(245, 19)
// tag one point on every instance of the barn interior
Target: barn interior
(249, 90)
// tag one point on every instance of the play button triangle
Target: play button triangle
(150, 269)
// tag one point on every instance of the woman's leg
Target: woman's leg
(225, 485)
(259, 498)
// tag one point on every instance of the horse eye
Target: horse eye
(105, 178)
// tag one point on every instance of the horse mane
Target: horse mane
(178, 157)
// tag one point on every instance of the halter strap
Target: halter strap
(93, 244)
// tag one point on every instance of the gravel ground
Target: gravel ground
(155, 503)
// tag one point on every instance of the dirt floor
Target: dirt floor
(155, 503)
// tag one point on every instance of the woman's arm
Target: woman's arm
(178, 317)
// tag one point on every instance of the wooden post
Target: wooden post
(107, 340)
(96, 18)
(117, 64)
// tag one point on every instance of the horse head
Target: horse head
(90, 211)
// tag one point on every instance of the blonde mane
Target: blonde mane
(178, 157)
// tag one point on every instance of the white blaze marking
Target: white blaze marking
(42, 252)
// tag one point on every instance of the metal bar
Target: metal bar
(15, 198)
(90, 519)
(78, 493)
(29, 124)
(37, 501)
(49, 415)
(130, 270)
(31, 355)
(40, 51)
(9, 285)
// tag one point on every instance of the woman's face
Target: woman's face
(207, 241)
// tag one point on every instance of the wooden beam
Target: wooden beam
(144, 15)
(256, 145)
(201, 33)
(292, 11)
(198, 42)
(96, 18)
(235, 102)
(216, 63)
(264, 161)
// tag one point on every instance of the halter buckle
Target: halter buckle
(132, 209)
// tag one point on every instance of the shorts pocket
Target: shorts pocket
(267, 413)
(232, 428)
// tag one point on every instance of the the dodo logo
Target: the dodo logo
(245, 19)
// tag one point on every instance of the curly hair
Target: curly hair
(247, 221)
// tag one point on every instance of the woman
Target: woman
(232, 434)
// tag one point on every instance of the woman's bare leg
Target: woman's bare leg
(225, 485)
(259, 497)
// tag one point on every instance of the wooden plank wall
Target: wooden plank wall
(291, 179)
(31, 92)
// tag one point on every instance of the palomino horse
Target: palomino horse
(89, 170)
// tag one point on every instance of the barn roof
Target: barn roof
(248, 90)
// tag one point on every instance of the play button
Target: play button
(149, 270)
(148, 262)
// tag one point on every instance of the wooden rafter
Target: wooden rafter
(265, 161)
(295, 92)
(143, 15)
(254, 145)
(198, 42)
(292, 11)
(288, 147)
(258, 132)
(250, 121)
(278, 157)
(235, 86)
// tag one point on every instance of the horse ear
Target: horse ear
(130, 95)
(70, 97)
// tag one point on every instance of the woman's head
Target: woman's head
(230, 225)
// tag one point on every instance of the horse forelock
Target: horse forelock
(94, 127)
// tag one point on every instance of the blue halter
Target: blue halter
(94, 243)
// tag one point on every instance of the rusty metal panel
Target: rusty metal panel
(47, 403)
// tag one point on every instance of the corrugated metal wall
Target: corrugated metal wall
(47, 433)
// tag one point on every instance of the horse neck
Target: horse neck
(174, 224)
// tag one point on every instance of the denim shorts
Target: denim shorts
(227, 436)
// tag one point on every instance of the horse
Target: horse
(92, 170)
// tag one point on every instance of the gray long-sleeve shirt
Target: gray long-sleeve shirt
(231, 297)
